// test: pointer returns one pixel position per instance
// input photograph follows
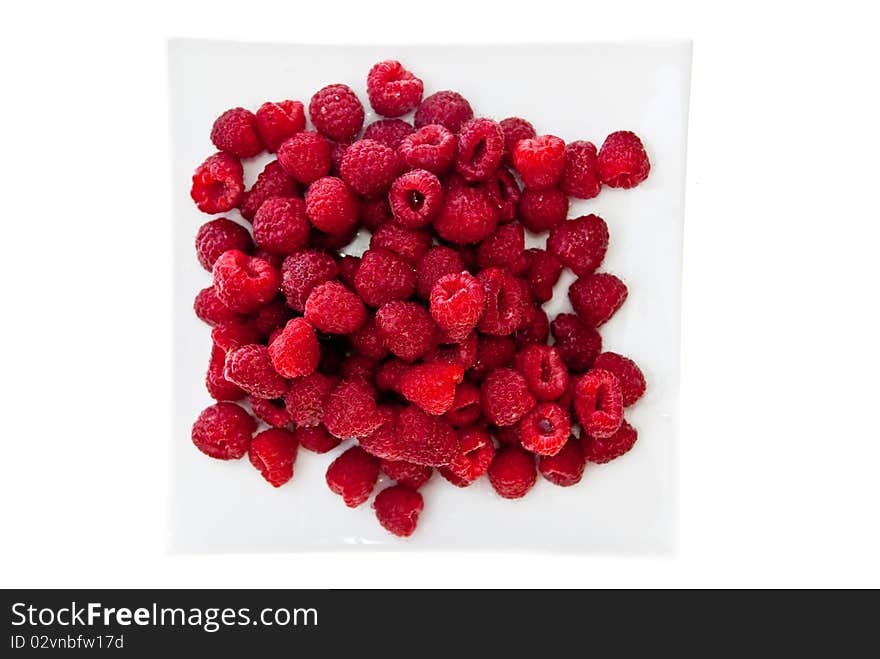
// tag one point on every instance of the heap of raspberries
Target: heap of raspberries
(431, 349)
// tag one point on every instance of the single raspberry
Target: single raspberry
(350, 410)
(334, 309)
(447, 108)
(406, 328)
(272, 411)
(544, 371)
(393, 91)
(250, 367)
(504, 191)
(331, 206)
(273, 453)
(305, 156)
(348, 269)
(622, 160)
(223, 431)
(305, 399)
(580, 243)
(580, 178)
(271, 317)
(542, 210)
(217, 236)
(234, 334)
(390, 373)
(244, 283)
(529, 312)
(473, 458)
(431, 147)
(468, 216)
(385, 442)
(465, 408)
(406, 473)
(431, 386)
(463, 353)
(577, 344)
(276, 122)
(367, 342)
(598, 403)
(416, 198)
(295, 351)
(632, 381)
(337, 112)
(540, 161)
(425, 439)
(316, 439)
(218, 184)
(505, 302)
(375, 213)
(384, 276)
(512, 472)
(506, 435)
(219, 388)
(542, 273)
(595, 298)
(480, 147)
(369, 168)
(545, 429)
(353, 476)
(436, 262)
(515, 129)
(301, 272)
(602, 450)
(457, 302)
(492, 352)
(281, 225)
(273, 181)
(211, 310)
(566, 468)
(397, 509)
(411, 244)
(503, 248)
(389, 132)
(358, 366)
(505, 397)
(235, 132)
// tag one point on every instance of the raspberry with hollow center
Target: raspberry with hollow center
(540, 161)
(406, 473)
(632, 381)
(545, 429)
(512, 472)
(384, 276)
(295, 351)
(543, 210)
(250, 367)
(595, 298)
(505, 397)
(389, 132)
(601, 450)
(235, 132)
(336, 111)
(393, 91)
(273, 181)
(580, 243)
(272, 411)
(350, 410)
(480, 147)
(566, 468)
(217, 236)
(353, 476)
(431, 386)
(223, 431)
(447, 108)
(580, 178)
(515, 129)
(473, 458)
(334, 309)
(278, 121)
(406, 328)
(219, 388)
(456, 303)
(505, 302)
(425, 439)
(598, 403)
(622, 160)
(416, 198)
(244, 283)
(273, 453)
(410, 244)
(369, 168)
(330, 206)
(281, 225)
(504, 192)
(218, 184)
(305, 156)
(301, 272)
(397, 509)
(305, 399)
(578, 344)
(431, 147)
(544, 371)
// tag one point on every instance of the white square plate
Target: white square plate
(573, 91)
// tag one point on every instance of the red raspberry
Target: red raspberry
(223, 431)
(397, 509)
(598, 403)
(316, 439)
(480, 147)
(580, 178)
(375, 213)
(337, 112)
(474, 456)
(272, 411)
(281, 225)
(305, 399)
(301, 272)
(406, 473)
(447, 108)
(348, 269)
(250, 367)
(295, 351)
(542, 273)
(334, 309)
(566, 468)
(272, 317)
(545, 429)
(465, 409)
(219, 388)
(276, 122)
(595, 298)
(540, 161)
(244, 283)
(273, 453)
(622, 161)
(578, 344)
(504, 191)
(512, 472)
(367, 342)
(537, 331)
(515, 129)
(505, 302)
(406, 328)
(231, 335)
(393, 91)
(353, 476)
(389, 132)
(431, 147)
(331, 206)
(468, 216)
(385, 442)
(305, 156)
(424, 439)
(218, 184)
(211, 310)
(601, 450)
(503, 248)
(384, 276)
(350, 410)
(632, 381)
(580, 243)
(437, 262)
(543, 370)
(457, 302)
(505, 397)
(331, 242)
(218, 236)
(416, 198)
(337, 150)
(358, 366)
(235, 132)
(492, 352)
(369, 168)
(273, 181)
(543, 210)
(411, 244)
(507, 435)
(275, 260)
(432, 386)
(389, 373)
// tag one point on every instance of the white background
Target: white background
(779, 449)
